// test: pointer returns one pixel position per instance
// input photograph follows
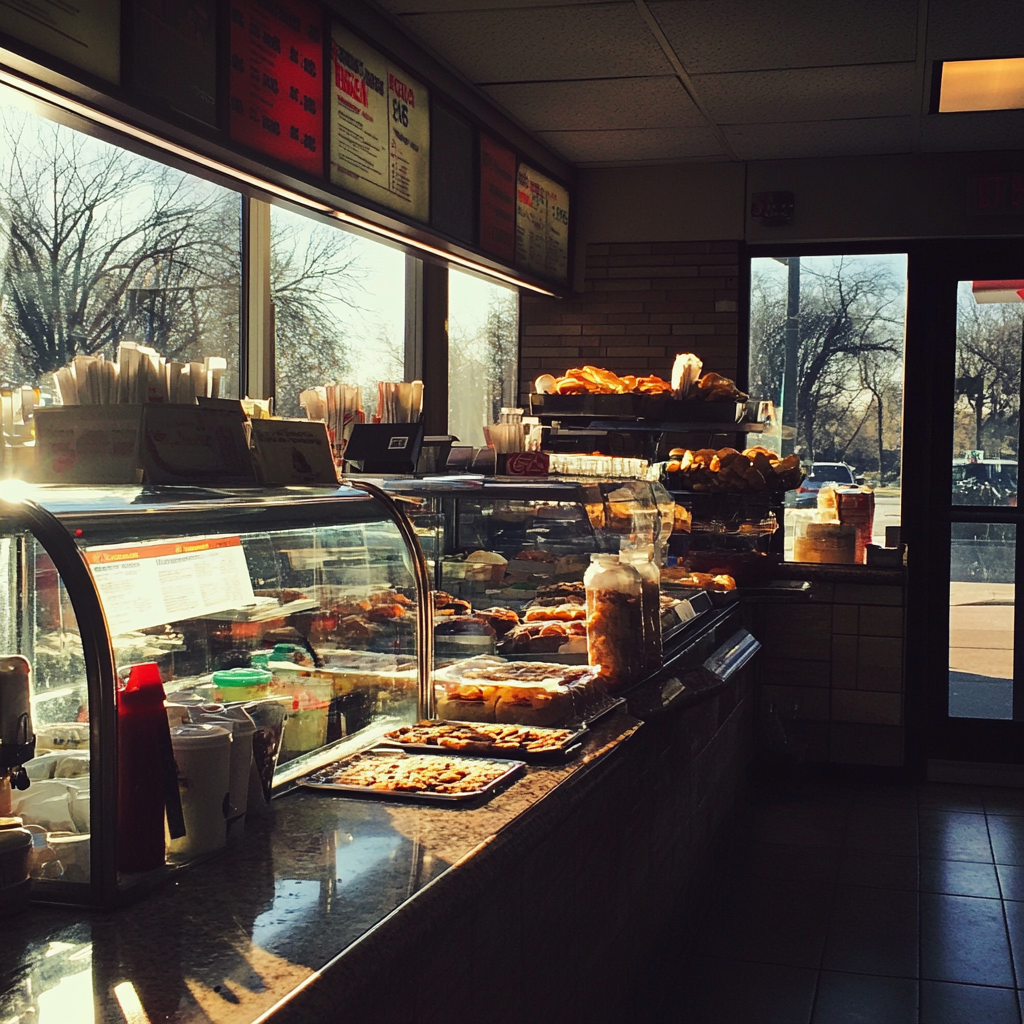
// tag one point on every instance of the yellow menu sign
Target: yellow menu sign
(380, 128)
(542, 224)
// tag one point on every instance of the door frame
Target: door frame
(934, 269)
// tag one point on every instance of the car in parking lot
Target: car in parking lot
(819, 473)
(981, 481)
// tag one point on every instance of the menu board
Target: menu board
(542, 224)
(380, 128)
(452, 174)
(150, 584)
(277, 80)
(86, 34)
(497, 199)
(174, 55)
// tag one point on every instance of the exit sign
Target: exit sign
(997, 194)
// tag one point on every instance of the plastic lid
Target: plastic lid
(260, 660)
(285, 651)
(242, 677)
(186, 736)
(6, 823)
(604, 557)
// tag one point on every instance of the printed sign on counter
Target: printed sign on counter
(142, 585)
(86, 34)
(497, 199)
(542, 224)
(293, 452)
(380, 128)
(277, 80)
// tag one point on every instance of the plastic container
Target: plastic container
(825, 542)
(650, 603)
(615, 629)
(145, 771)
(203, 756)
(238, 684)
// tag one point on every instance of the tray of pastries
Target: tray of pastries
(390, 773)
(530, 743)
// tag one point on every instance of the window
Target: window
(100, 245)
(483, 353)
(826, 346)
(339, 309)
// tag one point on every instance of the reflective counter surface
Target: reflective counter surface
(230, 939)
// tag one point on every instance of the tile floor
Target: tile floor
(879, 904)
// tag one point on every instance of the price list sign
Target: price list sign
(542, 224)
(277, 80)
(380, 128)
(497, 199)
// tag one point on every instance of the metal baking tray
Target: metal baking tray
(566, 751)
(510, 770)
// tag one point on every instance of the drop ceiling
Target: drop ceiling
(653, 81)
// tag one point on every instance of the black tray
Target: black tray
(511, 769)
(566, 751)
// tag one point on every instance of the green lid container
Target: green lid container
(260, 660)
(241, 677)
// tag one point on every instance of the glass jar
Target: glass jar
(641, 559)
(615, 629)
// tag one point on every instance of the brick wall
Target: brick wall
(642, 303)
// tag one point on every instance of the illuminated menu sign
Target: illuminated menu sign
(542, 224)
(380, 128)
(497, 199)
(86, 34)
(277, 80)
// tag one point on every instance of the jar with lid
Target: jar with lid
(641, 559)
(615, 641)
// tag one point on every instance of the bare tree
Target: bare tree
(86, 226)
(988, 356)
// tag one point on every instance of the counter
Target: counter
(513, 910)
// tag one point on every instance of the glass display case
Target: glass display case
(307, 608)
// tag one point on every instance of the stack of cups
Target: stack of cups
(203, 756)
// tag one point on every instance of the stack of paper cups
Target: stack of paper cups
(203, 756)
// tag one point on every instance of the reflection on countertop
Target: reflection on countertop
(228, 940)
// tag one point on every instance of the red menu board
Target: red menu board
(497, 199)
(277, 80)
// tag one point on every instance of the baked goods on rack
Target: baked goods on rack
(726, 469)
(483, 738)
(680, 576)
(501, 620)
(543, 637)
(593, 380)
(463, 625)
(445, 604)
(556, 612)
(412, 773)
(559, 593)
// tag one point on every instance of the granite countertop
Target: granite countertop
(230, 939)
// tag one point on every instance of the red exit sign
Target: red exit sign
(997, 194)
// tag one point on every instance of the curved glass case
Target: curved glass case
(305, 606)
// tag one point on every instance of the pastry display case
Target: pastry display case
(298, 620)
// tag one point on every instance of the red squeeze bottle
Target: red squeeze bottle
(143, 736)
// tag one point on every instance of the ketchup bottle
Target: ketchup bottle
(146, 774)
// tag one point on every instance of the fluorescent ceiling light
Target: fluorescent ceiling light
(982, 84)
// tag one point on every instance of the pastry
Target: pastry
(501, 620)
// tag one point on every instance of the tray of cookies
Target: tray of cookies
(391, 773)
(531, 743)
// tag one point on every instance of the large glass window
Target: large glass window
(339, 309)
(826, 346)
(99, 245)
(483, 353)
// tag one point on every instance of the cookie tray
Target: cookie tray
(566, 751)
(511, 770)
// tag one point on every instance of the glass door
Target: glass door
(965, 669)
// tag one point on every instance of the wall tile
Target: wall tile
(881, 620)
(854, 743)
(800, 702)
(844, 618)
(866, 706)
(844, 661)
(867, 593)
(880, 663)
(786, 671)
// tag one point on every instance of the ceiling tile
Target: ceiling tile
(809, 94)
(985, 28)
(821, 138)
(989, 129)
(552, 43)
(610, 103)
(752, 35)
(642, 145)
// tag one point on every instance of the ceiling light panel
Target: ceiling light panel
(982, 85)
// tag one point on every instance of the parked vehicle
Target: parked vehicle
(979, 481)
(819, 473)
